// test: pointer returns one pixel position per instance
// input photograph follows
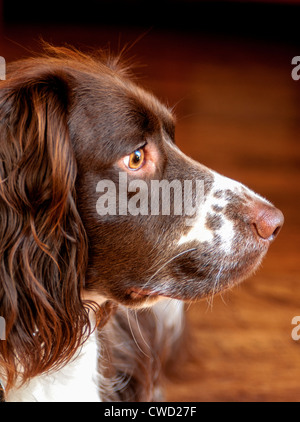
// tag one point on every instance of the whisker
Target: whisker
(189, 304)
(140, 331)
(133, 336)
(210, 298)
(165, 264)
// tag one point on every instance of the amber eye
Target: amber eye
(136, 159)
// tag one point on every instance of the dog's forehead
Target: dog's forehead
(153, 107)
(117, 116)
(136, 105)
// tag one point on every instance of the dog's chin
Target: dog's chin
(185, 283)
(192, 290)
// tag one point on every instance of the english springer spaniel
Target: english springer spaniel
(101, 217)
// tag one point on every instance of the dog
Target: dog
(93, 301)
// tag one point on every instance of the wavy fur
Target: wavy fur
(43, 250)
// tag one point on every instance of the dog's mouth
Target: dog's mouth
(139, 296)
(196, 284)
(146, 296)
(140, 293)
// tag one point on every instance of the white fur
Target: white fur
(199, 231)
(75, 382)
(169, 314)
(79, 380)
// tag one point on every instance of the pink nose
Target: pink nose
(267, 221)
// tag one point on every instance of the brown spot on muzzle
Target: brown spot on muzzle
(213, 222)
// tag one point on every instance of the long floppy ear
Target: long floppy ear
(43, 245)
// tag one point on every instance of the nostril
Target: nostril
(267, 222)
(276, 231)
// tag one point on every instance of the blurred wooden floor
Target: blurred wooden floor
(238, 112)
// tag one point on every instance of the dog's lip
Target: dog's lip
(137, 293)
(140, 293)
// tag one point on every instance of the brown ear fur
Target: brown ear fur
(43, 246)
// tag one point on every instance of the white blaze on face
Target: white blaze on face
(200, 231)
(216, 198)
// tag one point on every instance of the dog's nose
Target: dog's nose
(267, 221)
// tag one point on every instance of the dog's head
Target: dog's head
(163, 224)
(97, 201)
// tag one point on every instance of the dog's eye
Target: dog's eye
(135, 160)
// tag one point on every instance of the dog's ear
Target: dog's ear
(43, 247)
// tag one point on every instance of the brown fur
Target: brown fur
(66, 121)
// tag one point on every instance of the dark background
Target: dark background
(271, 20)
